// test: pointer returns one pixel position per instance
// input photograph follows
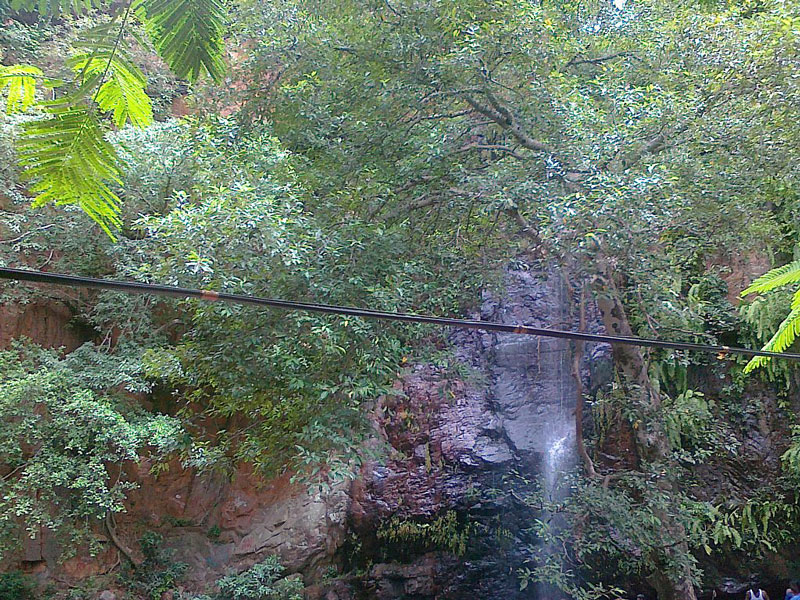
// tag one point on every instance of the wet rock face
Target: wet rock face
(532, 389)
(458, 441)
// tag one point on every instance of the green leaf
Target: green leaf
(796, 300)
(66, 156)
(187, 34)
(775, 278)
(737, 537)
(126, 99)
(783, 338)
(20, 81)
(57, 7)
(123, 91)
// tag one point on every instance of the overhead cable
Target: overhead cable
(133, 287)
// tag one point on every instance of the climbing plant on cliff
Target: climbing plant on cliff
(69, 439)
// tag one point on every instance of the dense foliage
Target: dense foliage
(395, 155)
(262, 581)
(63, 149)
(71, 432)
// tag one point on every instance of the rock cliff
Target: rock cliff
(441, 513)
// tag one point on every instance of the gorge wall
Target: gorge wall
(479, 445)
(442, 513)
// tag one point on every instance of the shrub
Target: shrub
(158, 573)
(15, 586)
(262, 581)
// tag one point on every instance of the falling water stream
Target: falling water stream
(557, 461)
(559, 448)
(533, 390)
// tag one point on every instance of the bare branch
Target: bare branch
(392, 8)
(26, 234)
(577, 60)
(112, 533)
(460, 113)
(497, 113)
(494, 147)
(577, 357)
(659, 142)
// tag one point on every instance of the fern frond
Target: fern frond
(122, 93)
(20, 81)
(57, 7)
(125, 97)
(65, 154)
(187, 34)
(775, 278)
(69, 161)
(785, 336)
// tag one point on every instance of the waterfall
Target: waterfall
(532, 387)
(559, 458)
(500, 435)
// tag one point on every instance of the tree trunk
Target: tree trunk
(652, 444)
(577, 357)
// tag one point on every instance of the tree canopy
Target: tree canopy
(397, 154)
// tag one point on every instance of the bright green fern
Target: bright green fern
(19, 82)
(122, 93)
(187, 34)
(789, 329)
(64, 153)
(69, 161)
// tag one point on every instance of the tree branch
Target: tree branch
(575, 60)
(27, 233)
(577, 357)
(112, 533)
(460, 113)
(496, 147)
(659, 142)
(501, 116)
(528, 229)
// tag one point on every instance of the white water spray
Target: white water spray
(557, 460)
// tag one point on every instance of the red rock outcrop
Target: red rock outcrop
(48, 323)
